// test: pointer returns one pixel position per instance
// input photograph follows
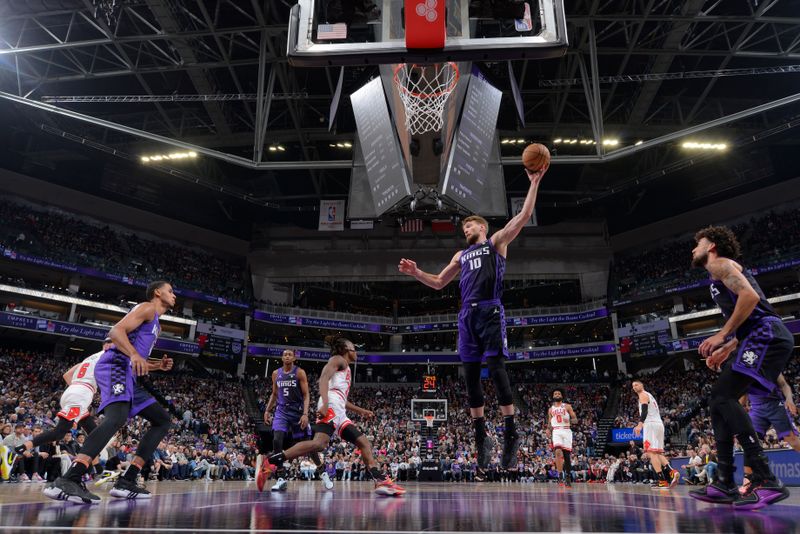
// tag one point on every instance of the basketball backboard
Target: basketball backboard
(422, 407)
(371, 32)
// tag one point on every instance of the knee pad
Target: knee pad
(116, 414)
(351, 434)
(472, 378)
(159, 417)
(475, 395)
(497, 370)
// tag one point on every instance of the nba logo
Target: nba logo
(331, 213)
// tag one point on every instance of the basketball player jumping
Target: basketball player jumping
(651, 425)
(121, 398)
(764, 347)
(561, 417)
(334, 386)
(481, 321)
(290, 396)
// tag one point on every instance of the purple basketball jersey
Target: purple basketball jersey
(726, 300)
(114, 373)
(482, 270)
(290, 397)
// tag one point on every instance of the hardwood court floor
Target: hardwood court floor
(351, 508)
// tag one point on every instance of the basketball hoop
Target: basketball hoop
(424, 90)
(429, 420)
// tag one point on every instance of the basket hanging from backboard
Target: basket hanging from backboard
(429, 420)
(424, 90)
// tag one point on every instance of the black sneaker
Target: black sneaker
(125, 489)
(64, 489)
(511, 445)
(485, 452)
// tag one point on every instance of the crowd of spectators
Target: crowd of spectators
(213, 434)
(765, 239)
(82, 242)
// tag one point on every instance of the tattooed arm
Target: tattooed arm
(730, 274)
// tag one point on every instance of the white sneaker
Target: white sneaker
(326, 481)
(280, 485)
(37, 478)
(24, 478)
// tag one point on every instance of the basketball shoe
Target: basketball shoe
(263, 472)
(126, 489)
(64, 489)
(388, 488)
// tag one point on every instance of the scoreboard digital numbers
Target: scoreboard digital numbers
(429, 383)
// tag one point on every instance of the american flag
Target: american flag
(412, 225)
(332, 31)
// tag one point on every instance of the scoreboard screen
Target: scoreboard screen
(222, 347)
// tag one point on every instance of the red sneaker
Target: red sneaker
(388, 488)
(264, 472)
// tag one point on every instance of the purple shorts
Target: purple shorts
(290, 424)
(117, 383)
(482, 331)
(772, 413)
(764, 352)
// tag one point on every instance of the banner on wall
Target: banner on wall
(331, 215)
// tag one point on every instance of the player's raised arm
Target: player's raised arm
(119, 334)
(436, 281)
(511, 230)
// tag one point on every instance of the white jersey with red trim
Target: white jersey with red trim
(653, 413)
(84, 373)
(559, 416)
(339, 383)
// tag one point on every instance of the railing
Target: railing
(427, 319)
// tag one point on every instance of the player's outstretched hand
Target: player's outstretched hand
(139, 365)
(536, 176)
(790, 405)
(322, 411)
(166, 363)
(637, 430)
(407, 267)
(367, 414)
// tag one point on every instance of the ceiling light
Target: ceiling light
(557, 141)
(694, 145)
(639, 142)
(171, 156)
(610, 142)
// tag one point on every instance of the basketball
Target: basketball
(535, 157)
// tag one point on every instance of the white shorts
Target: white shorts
(653, 436)
(562, 439)
(76, 401)
(336, 416)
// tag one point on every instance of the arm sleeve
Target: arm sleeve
(643, 415)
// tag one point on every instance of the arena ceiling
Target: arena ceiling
(636, 70)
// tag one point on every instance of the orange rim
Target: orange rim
(424, 96)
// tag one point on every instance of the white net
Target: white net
(424, 90)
